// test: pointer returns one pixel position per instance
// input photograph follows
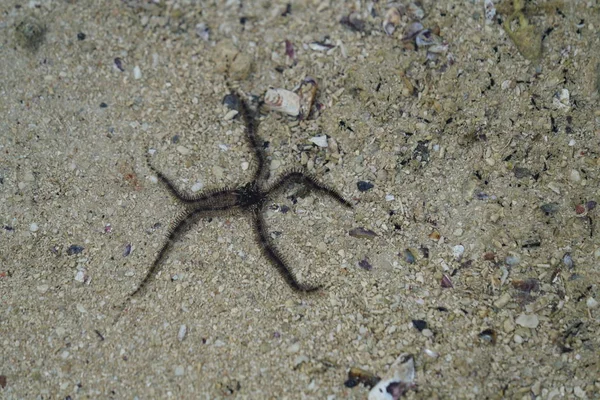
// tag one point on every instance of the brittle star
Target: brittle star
(250, 198)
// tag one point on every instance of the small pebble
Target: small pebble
(300, 360)
(431, 353)
(183, 150)
(575, 176)
(74, 249)
(503, 300)
(137, 73)
(196, 187)
(518, 339)
(363, 186)
(458, 251)
(33, 227)
(427, 332)
(245, 166)
(591, 303)
(322, 247)
(43, 288)
(508, 325)
(80, 276)
(203, 31)
(127, 250)
(81, 36)
(232, 102)
(218, 171)
(119, 64)
(179, 370)
(182, 332)
(364, 264)
(103, 105)
(389, 197)
(419, 324)
(409, 256)
(550, 208)
(512, 260)
(568, 261)
(528, 321)
(81, 309)
(2, 381)
(294, 348)
(579, 392)
(230, 115)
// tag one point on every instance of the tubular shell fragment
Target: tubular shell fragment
(284, 101)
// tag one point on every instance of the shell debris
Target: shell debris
(399, 379)
(283, 101)
(307, 91)
(391, 20)
(296, 103)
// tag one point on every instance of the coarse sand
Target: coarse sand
(475, 242)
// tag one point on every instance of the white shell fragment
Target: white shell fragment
(562, 100)
(283, 101)
(320, 141)
(137, 73)
(399, 379)
(181, 333)
(458, 251)
(528, 321)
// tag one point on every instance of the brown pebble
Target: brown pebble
(2, 381)
(526, 285)
(579, 208)
(435, 235)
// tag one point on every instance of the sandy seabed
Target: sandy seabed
(485, 171)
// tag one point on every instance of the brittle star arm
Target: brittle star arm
(254, 141)
(276, 258)
(311, 182)
(207, 197)
(184, 221)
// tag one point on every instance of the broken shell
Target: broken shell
(283, 101)
(399, 379)
(362, 233)
(427, 38)
(357, 376)
(320, 141)
(321, 46)
(391, 20)
(488, 335)
(414, 11)
(413, 30)
(308, 93)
